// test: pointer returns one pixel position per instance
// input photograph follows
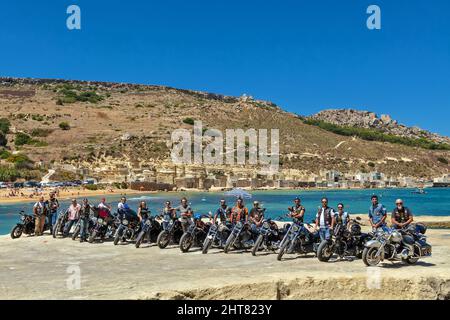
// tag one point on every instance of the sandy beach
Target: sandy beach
(41, 268)
(64, 194)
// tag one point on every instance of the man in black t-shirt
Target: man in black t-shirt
(401, 215)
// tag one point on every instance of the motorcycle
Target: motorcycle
(217, 235)
(240, 238)
(104, 227)
(406, 245)
(345, 243)
(151, 229)
(299, 239)
(195, 235)
(76, 232)
(128, 228)
(25, 226)
(269, 237)
(58, 227)
(172, 233)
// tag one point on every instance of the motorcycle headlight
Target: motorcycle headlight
(266, 225)
(295, 228)
(125, 222)
(100, 220)
(239, 224)
(148, 222)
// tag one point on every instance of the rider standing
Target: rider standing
(53, 205)
(401, 215)
(169, 214)
(185, 213)
(325, 219)
(377, 214)
(256, 216)
(239, 212)
(40, 210)
(341, 216)
(143, 213)
(297, 211)
(84, 219)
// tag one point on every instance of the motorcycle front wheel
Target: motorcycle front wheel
(139, 239)
(186, 242)
(369, 257)
(117, 237)
(92, 236)
(16, 232)
(76, 232)
(206, 245)
(163, 239)
(325, 251)
(230, 240)
(55, 229)
(257, 245)
(283, 249)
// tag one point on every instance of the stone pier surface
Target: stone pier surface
(47, 268)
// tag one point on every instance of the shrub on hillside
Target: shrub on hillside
(189, 121)
(64, 126)
(4, 125)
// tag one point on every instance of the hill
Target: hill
(113, 130)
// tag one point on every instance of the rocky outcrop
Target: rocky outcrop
(370, 120)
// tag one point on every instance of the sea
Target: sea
(436, 202)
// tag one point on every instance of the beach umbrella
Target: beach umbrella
(238, 193)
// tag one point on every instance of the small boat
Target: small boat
(419, 191)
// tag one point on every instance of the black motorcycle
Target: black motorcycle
(58, 227)
(103, 228)
(216, 237)
(344, 243)
(151, 229)
(240, 238)
(269, 237)
(195, 235)
(172, 233)
(298, 239)
(128, 229)
(25, 226)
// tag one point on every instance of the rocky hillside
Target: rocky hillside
(114, 129)
(370, 120)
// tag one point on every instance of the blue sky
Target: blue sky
(303, 55)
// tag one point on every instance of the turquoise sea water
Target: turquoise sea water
(436, 202)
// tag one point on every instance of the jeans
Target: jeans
(84, 224)
(324, 234)
(69, 226)
(254, 228)
(185, 223)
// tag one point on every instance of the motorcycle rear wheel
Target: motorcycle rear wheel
(186, 242)
(163, 239)
(369, 258)
(283, 249)
(16, 232)
(257, 244)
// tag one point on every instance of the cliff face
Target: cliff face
(123, 131)
(370, 120)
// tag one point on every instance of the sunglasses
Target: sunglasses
(399, 203)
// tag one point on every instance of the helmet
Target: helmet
(396, 237)
(197, 216)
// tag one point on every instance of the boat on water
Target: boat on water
(419, 191)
